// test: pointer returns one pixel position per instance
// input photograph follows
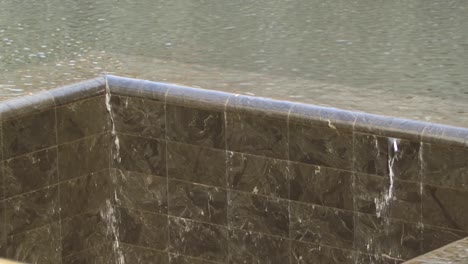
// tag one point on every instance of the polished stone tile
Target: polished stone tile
(2, 182)
(445, 166)
(258, 175)
(306, 253)
(31, 210)
(435, 237)
(30, 172)
(322, 225)
(375, 259)
(371, 193)
(143, 228)
(200, 240)
(101, 254)
(195, 126)
(198, 202)
(323, 146)
(321, 186)
(196, 164)
(257, 134)
(140, 191)
(84, 231)
(258, 213)
(377, 155)
(81, 119)
(80, 158)
(443, 207)
(84, 194)
(371, 154)
(29, 133)
(139, 255)
(143, 155)
(138, 117)
(394, 238)
(407, 160)
(179, 259)
(257, 248)
(3, 231)
(40, 245)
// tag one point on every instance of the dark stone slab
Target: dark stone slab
(140, 191)
(196, 164)
(257, 133)
(258, 213)
(83, 157)
(200, 240)
(377, 155)
(30, 172)
(322, 225)
(372, 197)
(29, 133)
(323, 146)
(143, 155)
(321, 186)
(101, 254)
(306, 253)
(195, 126)
(445, 166)
(143, 228)
(435, 237)
(81, 119)
(198, 202)
(375, 259)
(139, 255)
(383, 236)
(258, 175)
(251, 247)
(84, 231)
(407, 160)
(140, 117)
(179, 259)
(444, 207)
(40, 245)
(31, 210)
(371, 154)
(84, 194)
(3, 231)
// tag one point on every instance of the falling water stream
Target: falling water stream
(109, 214)
(382, 203)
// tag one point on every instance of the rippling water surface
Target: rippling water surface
(407, 58)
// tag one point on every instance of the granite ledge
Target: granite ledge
(454, 253)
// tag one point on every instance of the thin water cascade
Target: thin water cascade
(382, 203)
(110, 216)
(116, 154)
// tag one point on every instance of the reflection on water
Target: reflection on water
(408, 54)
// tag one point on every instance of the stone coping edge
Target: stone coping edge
(333, 118)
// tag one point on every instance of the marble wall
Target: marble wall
(182, 175)
(238, 179)
(55, 174)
